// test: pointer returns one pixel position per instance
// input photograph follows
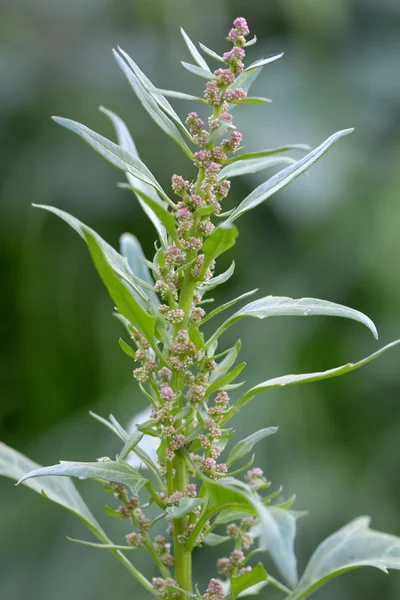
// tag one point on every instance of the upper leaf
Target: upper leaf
(269, 152)
(199, 71)
(221, 240)
(194, 52)
(115, 471)
(253, 165)
(132, 250)
(246, 445)
(264, 61)
(273, 306)
(353, 546)
(283, 178)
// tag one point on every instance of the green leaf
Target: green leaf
(220, 382)
(204, 73)
(185, 506)
(214, 282)
(109, 425)
(62, 491)
(285, 380)
(131, 442)
(194, 52)
(117, 156)
(100, 546)
(252, 100)
(243, 582)
(213, 539)
(264, 61)
(251, 42)
(211, 53)
(353, 546)
(246, 79)
(227, 305)
(276, 306)
(182, 96)
(152, 100)
(222, 239)
(115, 471)
(245, 446)
(228, 361)
(253, 165)
(125, 141)
(127, 348)
(283, 178)
(269, 152)
(132, 250)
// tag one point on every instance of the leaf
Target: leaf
(222, 239)
(264, 61)
(283, 178)
(246, 79)
(220, 382)
(269, 152)
(117, 156)
(125, 141)
(204, 73)
(251, 42)
(127, 348)
(213, 539)
(151, 100)
(253, 165)
(132, 250)
(214, 282)
(182, 96)
(131, 442)
(100, 546)
(194, 52)
(353, 546)
(285, 380)
(243, 582)
(62, 491)
(228, 361)
(109, 425)
(115, 471)
(226, 305)
(276, 306)
(185, 506)
(211, 53)
(252, 100)
(245, 446)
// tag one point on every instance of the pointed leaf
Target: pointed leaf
(246, 445)
(243, 582)
(221, 382)
(125, 141)
(181, 96)
(131, 442)
(213, 539)
(283, 178)
(246, 79)
(185, 506)
(353, 546)
(253, 165)
(214, 282)
(270, 152)
(211, 53)
(228, 361)
(227, 305)
(252, 100)
(127, 348)
(194, 52)
(132, 250)
(264, 61)
(251, 42)
(115, 471)
(151, 100)
(221, 240)
(204, 73)
(308, 377)
(274, 306)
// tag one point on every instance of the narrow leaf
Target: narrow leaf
(274, 306)
(228, 361)
(253, 165)
(185, 506)
(127, 348)
(213, 539)
(204, 73)
(309, 377)
(194, 52)
(109, 425)
(246, 79)
(115, 471)
(251, 42)
(227, 305)
(270, 152)
(264, 61)
(253, 100)
(100, 546)
(283, 178)
(246, 445)
(182, 96)
(211, 53)
(214, 282)
(133, 252)
(221, 240)
(221, 382)
(353, 546)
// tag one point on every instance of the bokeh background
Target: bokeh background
(332, 234)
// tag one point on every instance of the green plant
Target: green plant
(184, 376)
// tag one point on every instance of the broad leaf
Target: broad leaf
(253, 165)
(269, 152)
(353, 546)
(119, 157)
(275, 306)
(285, 380)
(264, 61)
(199, 71)
(194, 52)
(221, 240)
(243, 582)
(211, 53)
(115, 471)
(115, 273)
(213, 539)
(151, 100)
(283, 178)
(185, 506)
(246, 445)
(125, 141)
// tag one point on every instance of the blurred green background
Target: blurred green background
(332, 234)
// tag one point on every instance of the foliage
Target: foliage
(183, 376)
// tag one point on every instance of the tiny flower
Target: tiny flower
(190, 490)
(194, 122)
(212, 94)
(233, 531)
(196, 393)
(202, 159)
(135, 540)
(179, 185)
(166, 393)
(225, 76)
(192, 244)
(104, 459)
(241, 26)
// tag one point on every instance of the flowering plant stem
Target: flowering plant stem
(171, 456)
